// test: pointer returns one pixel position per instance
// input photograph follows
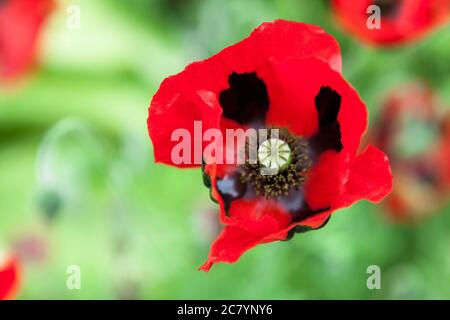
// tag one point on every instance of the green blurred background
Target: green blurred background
(79, 187)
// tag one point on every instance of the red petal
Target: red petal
(258, 216)
(177, 103)
(326, 180)
(9, 278)
(169, 113)
(281, 40)
(253, 223)
(229, 246)
(292, 90)
(370, 178)
(332, 183)
(20, 25)
(314, 222)
(247, 223)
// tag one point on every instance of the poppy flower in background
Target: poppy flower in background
(400, 20)
(21, 23)
(286, 76)
(9, 276)
(421, 165)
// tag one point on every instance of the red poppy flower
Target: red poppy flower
(21, 22)
(421, 165)
(285, 76)
(9, 277)
(400, 20)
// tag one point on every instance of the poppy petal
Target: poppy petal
(293, 90)
(260, 216)
(9, 278)
(370, 178)
(234, 240)
(175, 120)
(229, 246)
(194, 94)
(249, 223)
(256, 221)
(20, 25)
(326, 180)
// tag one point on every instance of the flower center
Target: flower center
(274, 155)
(282, 165)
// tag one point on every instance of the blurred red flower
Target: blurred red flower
(400, 20)
(21, 22)
(415, 132)
(31, 248)
(285, 76)
(9, 277)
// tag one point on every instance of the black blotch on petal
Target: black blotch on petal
(206, 178)
(388, 8)
(303, 229)
(207, 182)
(246, 101)
(306, 212)
(230, 188)
(328, 104)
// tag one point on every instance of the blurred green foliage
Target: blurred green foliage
(140, 230)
